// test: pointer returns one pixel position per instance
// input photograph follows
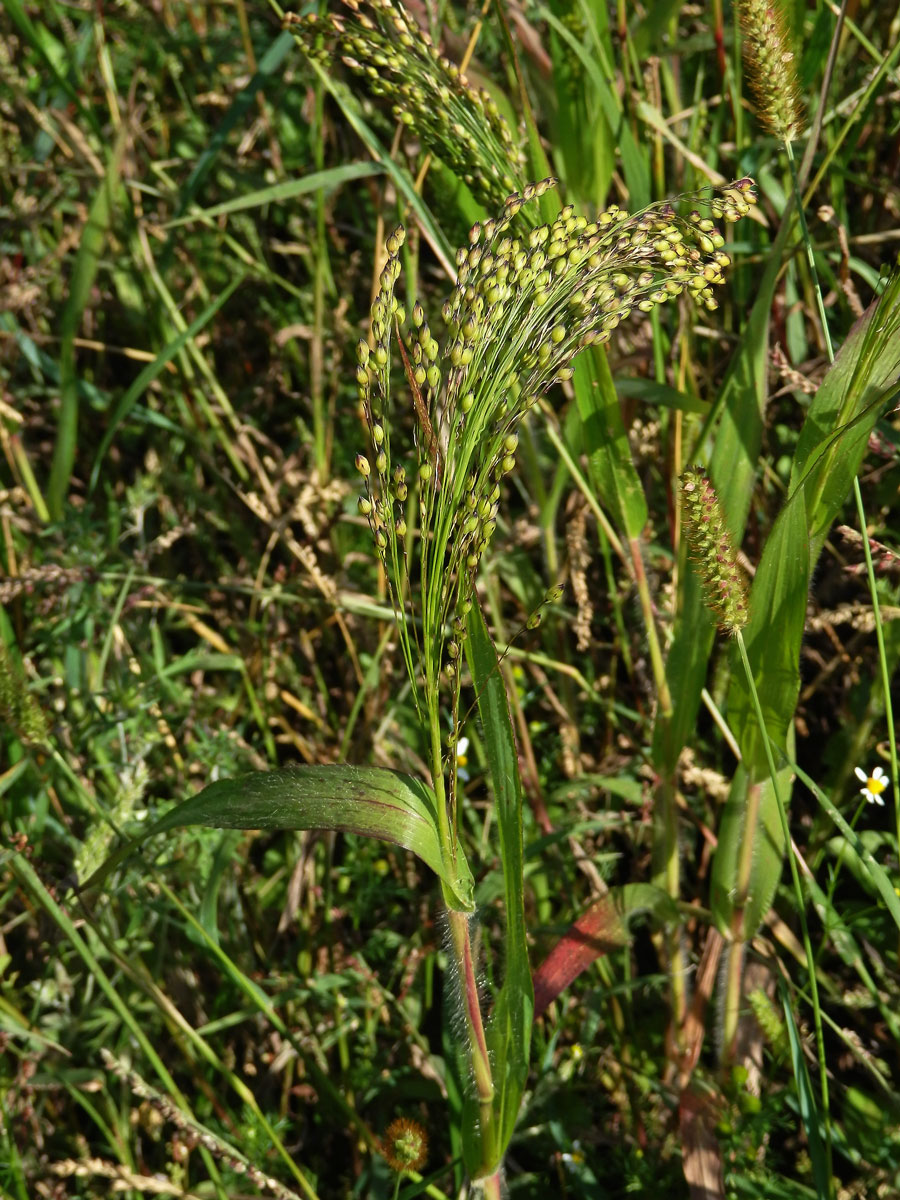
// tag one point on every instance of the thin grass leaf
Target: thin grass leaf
(267, 69)
(55, 57)
(290, 189)
(832, 443)
(401, 179)
(806, 1098)
(152, 371)
(598, 71)
(508, 1030)
(84, 272)
(877, 873)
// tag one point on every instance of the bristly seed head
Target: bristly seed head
(771, 67)
(712, 551)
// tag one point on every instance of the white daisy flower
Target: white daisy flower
(462, 758)
(873, 785)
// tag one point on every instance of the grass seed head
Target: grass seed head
(405, 1145)
(771, 67)
(712, 551)
(397, 63)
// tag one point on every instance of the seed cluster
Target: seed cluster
(712, 551)
(397, 62)
(521, 310)
(405, 1145)
(771, 67)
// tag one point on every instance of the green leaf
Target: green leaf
(877, 873)
(598, 72)
(806, 1099)
(267, 69)
(832, 443)
(602, 927)
(583, 145)
(612, 471)
(369, 801)
(289, 189)
(660, 393)
(151, 371)
(751, 812)
(508, 1030)
(84, 272)
(401, 178)
(844, 410)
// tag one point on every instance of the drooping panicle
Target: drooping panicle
(526, 301)
(397, 62)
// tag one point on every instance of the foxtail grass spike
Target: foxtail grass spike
(712, 551)
(771, 67)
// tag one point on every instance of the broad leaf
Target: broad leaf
(857, 388)
(370, 801)
(750, 818)
(612, 471)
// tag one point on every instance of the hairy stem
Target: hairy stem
(481, 1064)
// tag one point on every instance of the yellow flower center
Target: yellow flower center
(876, 786)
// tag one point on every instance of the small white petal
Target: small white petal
(879, 776)
(879, 800)
(462, 746)
(870, 796)
(860, 774)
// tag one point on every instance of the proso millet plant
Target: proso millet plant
(527, 298)
(524, 304)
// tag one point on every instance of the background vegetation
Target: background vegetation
(193, 211)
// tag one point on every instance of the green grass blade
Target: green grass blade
(754, 817)
(290, 189)
(598, 72)
(268, 65)
(400, 178)
(612, 469)
(55, 57)
(806, 1099)
(861, 379)
(508, 1031)
(84, 272)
